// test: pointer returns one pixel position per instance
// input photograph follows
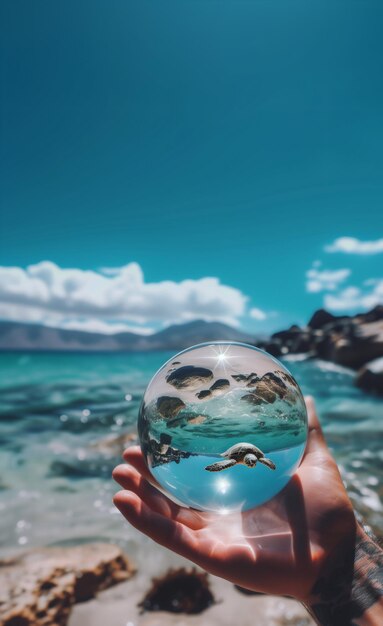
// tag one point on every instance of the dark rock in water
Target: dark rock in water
(169, 406)
(220, 384)
(353, 346)
(351, 341)
(40, 587)
(267, 390)
(370, 377)
(295, 339)
(253, 381)
(219, 387)
(163, 446)
(273, 347)
(162, 453)
(189, 377)
(240, 378)
(265, 397)
(264, 393)
(205, 393)
(288, 378)
(274, 383)
(248, 379)
(375, 315)
(179, 591)
(320, 319)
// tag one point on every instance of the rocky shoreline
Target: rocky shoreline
(355, 342)
(40, 587)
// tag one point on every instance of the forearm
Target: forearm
(349, 591)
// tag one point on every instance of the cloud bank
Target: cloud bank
(112, 300)
(355, 298)
(325, 280)
(351, 245)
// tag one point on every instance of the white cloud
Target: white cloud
(351, 245)
(51, 295)
(325, 280)
(110, 271)
(353, 298)
(257, 314)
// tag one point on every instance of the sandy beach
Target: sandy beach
(118, 607)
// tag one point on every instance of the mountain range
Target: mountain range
(18, 336)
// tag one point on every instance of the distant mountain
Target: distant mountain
(17, 336)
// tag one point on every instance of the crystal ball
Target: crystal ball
(222, 427)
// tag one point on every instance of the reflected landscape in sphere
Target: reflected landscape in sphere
(222, 427)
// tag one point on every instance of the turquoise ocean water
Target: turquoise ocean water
(62, 417)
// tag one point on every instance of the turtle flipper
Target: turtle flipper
(268, 462)
(221, 465)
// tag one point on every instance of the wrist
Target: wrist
(349, 586)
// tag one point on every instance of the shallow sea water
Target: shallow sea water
(61, 420)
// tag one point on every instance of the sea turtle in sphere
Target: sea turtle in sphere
(241, 454)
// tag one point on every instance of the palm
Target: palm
(276, 548)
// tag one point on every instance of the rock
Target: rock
(265, 393)
(288, 378)
(161, 447)
(169, 406)
(253, 381)
(320, 319)
(240, 378)
(170, 455)
(205, 393)
(218, 388)
(40, 587)
(189, 377)
(274, 383)
(375, 315)
(295, 340)
(354, 345)
(291, 333)
(370, 377)
(220, 385)
(273, 347)
(247, 379)
(262, 395)
(267, 390)
(179, 591)
(114, 445)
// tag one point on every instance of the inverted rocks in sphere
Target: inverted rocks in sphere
(189, 377)
(169, 406)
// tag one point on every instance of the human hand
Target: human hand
(284, 547)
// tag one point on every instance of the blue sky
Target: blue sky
(234, 141)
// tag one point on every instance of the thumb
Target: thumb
(315, 440)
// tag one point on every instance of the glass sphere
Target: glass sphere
(222, 427)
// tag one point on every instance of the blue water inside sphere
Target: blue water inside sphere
(222, 426)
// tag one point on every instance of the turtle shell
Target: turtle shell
(239, 451)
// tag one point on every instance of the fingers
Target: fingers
(129, 478)
(165, 531)
(134, 457)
